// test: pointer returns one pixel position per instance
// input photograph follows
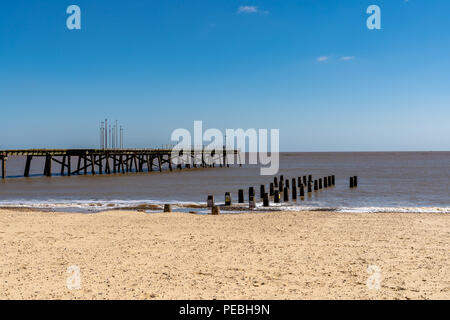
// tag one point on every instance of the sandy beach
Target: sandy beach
(276, 255)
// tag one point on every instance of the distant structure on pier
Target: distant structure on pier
(111, 137)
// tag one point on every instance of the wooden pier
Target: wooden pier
(110, 161)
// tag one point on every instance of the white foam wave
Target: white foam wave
(101, 205)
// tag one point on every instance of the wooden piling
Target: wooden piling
(69, 166)
(355, 181)
(271, 189)
(240, 196)
(3, 158)
(332, 180)
(316, 186)
(294, 192)
(320, 183)
(48, 166)
(27, 166)
(309, 187)
(262, 191)
(251, 191)
(286, 194)
(215, 210)
(227, 199)
(251, 202)
(302, 190)
(304, 180)
(210, 201)
(63, 165)
(276, 197)
(351, 182)
(266, 200)
(275, 182)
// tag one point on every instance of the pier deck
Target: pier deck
(107, 161)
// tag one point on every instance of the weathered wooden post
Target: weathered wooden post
(27, 166)
(69, 166)
(320, 183)
(309, 187)
(304, 180)
(266, 200)
(299, 181)
(277, 197)
(294, 192)
(325, 182)
(167, 208)
(316, 186)
(210, 201)
(251, 191)
(309, 177)
(262, 191)
(275, 182)
(281, 187)
(355, 181)
(351, 182)
(4, 158)
(302, 191)
(251, 202)
(271, 189)
(227, 199)
(294, 182)
(287, 183)
(241, 196)
(286, 194)
(215, 210)
(48, 165)
(63, 165)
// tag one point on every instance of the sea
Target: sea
(387, 182)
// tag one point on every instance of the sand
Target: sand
(277, 255)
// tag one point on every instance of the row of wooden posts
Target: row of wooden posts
(279, 190)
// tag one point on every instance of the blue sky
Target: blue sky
(160, 65)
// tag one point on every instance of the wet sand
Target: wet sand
(276, 255)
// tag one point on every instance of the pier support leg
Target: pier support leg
(27, 166)
(63, 165)
(3, 167)
(107, 168)
(149, 163)
(159, 163)
(85, 164)
(79, 165)
(100, 164)
(69, 166)
(121, 166)
(93, 164)
(169, 160)
(48, 166)
(135, 164)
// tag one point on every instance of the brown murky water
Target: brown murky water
(387, 181)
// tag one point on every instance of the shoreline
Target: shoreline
(276, 255)
(96, 206)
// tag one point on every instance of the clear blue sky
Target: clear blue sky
(160, 65)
